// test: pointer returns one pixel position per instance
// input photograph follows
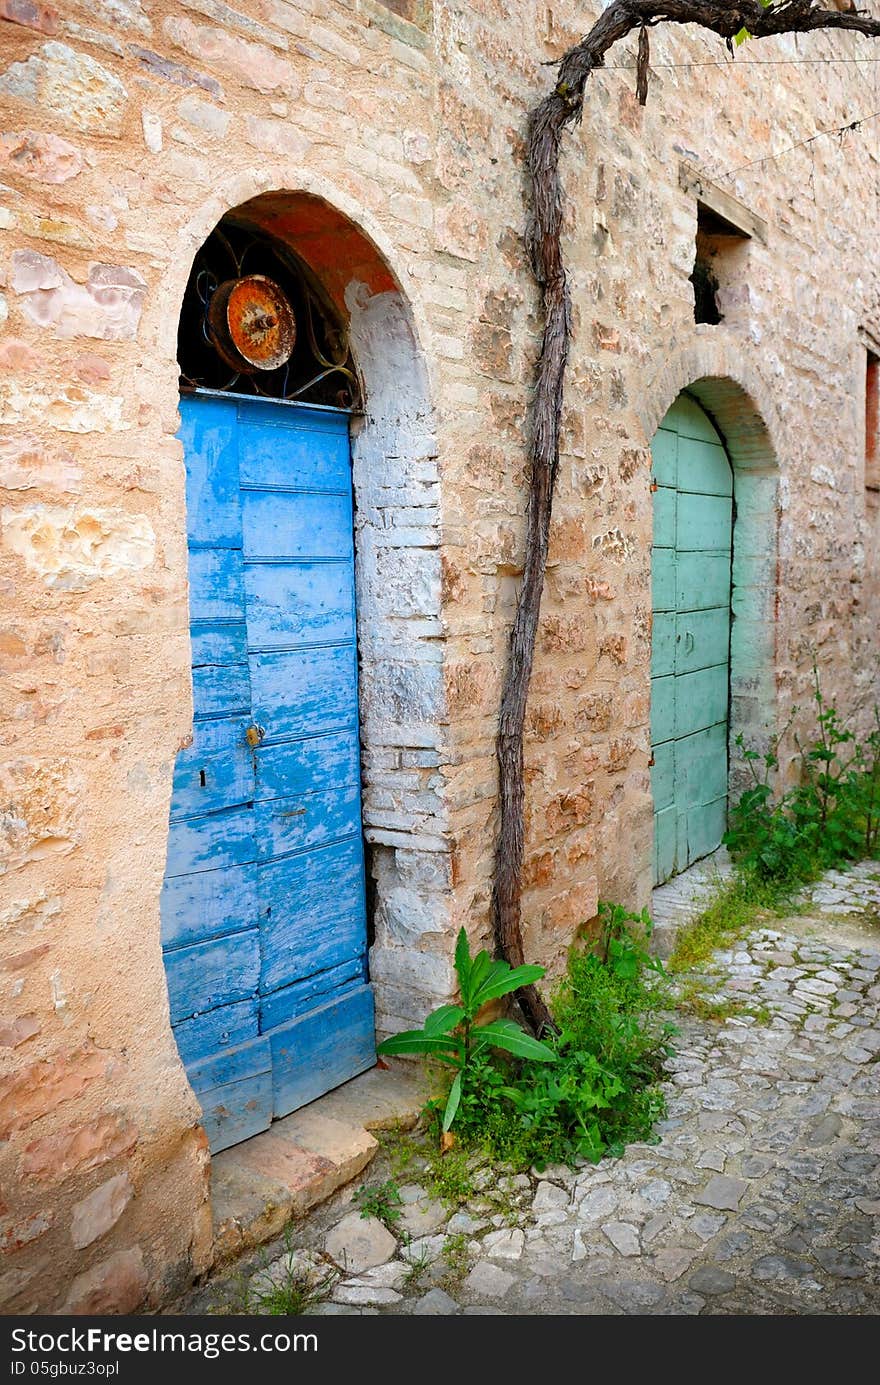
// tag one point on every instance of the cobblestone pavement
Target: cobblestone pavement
(761, 1196)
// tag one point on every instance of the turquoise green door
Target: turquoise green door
(690, 660)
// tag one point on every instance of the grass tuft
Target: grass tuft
(736, 908)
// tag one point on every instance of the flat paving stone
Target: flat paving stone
(723, 1192)
(488, 1281)
(711, 1280)
(623, 1237)
(357, 1243)
(436, 1302)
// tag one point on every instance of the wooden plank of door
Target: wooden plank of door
(216, 584)
(208, 904)
(304, 693)
(663, 644)
(210, 449)
(285, 825)
(665, 828)
(314, 912)
(296, 524)
(279, 1007)
(663, 579)
(703, 523)
(303, 603)
(663, 714)
(221, 690)
(701, 767)
(700, 699)
(225, 838)
(703, 466)
(299, 767)
(664, 456)
(664, 517)
(702, 639)
(706, 826)
(237, 1111)
(204, 1036)
(663, 775)
(209, 974)
(292, 449)
(324, 1047)
(702, 580)
(216, 771)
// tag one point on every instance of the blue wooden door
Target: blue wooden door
(690, 662)
(263, 906)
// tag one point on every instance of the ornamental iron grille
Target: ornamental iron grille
(250, 301)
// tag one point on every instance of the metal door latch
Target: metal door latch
(254, 734)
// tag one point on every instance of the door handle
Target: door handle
(688, 642)
(254, 734)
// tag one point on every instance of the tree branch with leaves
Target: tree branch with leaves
(733, 22)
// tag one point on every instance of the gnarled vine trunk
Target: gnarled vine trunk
(546, 127)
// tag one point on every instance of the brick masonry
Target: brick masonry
(128, 129)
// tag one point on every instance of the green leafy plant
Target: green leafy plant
(831, 816)
(456, 1255)
(603, 1090)
(451, 1033)
(624, 950)
(449, 1176)
(868, 802)
(743, 35)
(380, 1200)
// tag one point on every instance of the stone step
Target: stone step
(259, 1186)
(685, 896)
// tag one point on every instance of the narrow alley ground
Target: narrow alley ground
(761, 1196)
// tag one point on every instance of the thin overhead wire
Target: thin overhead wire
(734, 65)
(839, 131)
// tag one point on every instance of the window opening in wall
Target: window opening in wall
(255, 321)
(872, 420)
(718, 263)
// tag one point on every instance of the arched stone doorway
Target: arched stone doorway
(716, 597)
(237, 1067)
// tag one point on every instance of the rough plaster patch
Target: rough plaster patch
(27, 464)
(45, 157)
(614, 545)
(39, 813)
(70, 408)
(72, 84)
(29, 915)
(95, 1214)
(108, 306)
(72, 547)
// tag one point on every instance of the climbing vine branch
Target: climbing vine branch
(547, 124)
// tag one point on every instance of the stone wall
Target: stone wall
(128, 129)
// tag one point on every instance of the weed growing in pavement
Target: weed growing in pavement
(380, 1200)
